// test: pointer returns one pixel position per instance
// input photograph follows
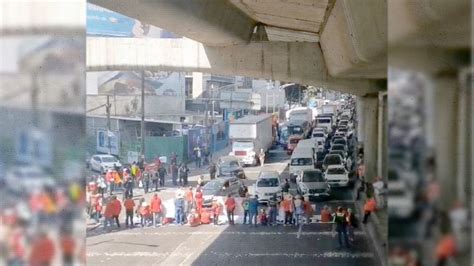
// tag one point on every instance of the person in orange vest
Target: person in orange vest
(193, 218)
(307, 209)
(199, 199)
(230, 207)
(326, 214)
(112, 211)
(155, 206)
(68, 247)
(117, 179)
(445, 249)
(129, 205)
(216, 211)
(205, 217)
(42, 251)
(145, 214)
(369, 207)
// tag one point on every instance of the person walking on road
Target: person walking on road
(298, 203)
(162, 174)
(128, 188)
(198, 155)
(341, 227)
(212, 170)
(183, 172)
(155, 206)
(216, 211)
(245, 206)
(129, 205)
(199, 199)
(308, 209)
(253, 210)
(154, 179)
(111, 213)
(230, 207)
(146, 182)
(351, 224)
(189, 200)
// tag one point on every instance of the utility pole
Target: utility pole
(273, 102)
(266, 102)
(143, 119)
(109, 131)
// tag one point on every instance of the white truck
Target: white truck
(249, 134)
(301, 113)
(329, 109)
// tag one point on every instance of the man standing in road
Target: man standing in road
(245, 206)
(154, 180)
(188, 204)
(179, 209)
(155, 206)
(253, 210)
(230, 207)
(198, 155)
(273, 210)
(261, 157)
(174, 173)
(129, 205)
(183, 172)
(212, 170)
(369, 207)
(162, 174)
(341, 224)
(146, 182)
(285, 188)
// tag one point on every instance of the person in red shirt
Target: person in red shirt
(42, 251)
(199, 200)
(145, 214)
(287, 205)
(112, 212)
(325, 214)
(230, 207)
(155, 206)
(193, 218)
(308, 210)
(205, 217)
(216, 211)
(369, 207)
(445, 249)
(129, 205)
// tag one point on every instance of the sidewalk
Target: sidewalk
(195, 172)
(376, 228)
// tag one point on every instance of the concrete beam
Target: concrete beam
(207, 21)
(42, 17)
(292, 62)
(354, 39)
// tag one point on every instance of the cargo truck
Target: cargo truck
(249, 135)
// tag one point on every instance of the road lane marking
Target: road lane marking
(328, 254)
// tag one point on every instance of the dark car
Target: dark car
(220, 187)
(339, 141)
(230, 166)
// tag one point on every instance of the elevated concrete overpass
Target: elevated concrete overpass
(338, 45)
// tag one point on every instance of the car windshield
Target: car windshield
(301, 161)
(338, 147)
(342, 129)
(343, 123)
(340, 141)
(396, 193)
(324, 121)
(268, 182)
(332, 159)
(295, 130)
(313, 176)
(284, 133)
(212, 187)
(242, 145)
(108, 159)
(229, 164)
(336, 171)
(318, 135)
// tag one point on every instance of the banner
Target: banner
(103, 142)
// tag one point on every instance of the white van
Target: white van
(324, 121)
(301, 159)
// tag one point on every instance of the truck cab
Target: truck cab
(244, 151)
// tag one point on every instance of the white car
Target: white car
(337, 175)
(27, 178)
(401, 202)
(103, 162)
(267, 185)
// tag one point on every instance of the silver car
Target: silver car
(313, 184)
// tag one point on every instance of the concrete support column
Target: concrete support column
(370, 127)
(197, 84)
(382, 162)
(360, 119)
(445, 128)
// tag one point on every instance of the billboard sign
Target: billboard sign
(103, 142)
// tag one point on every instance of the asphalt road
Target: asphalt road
(231, 245)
